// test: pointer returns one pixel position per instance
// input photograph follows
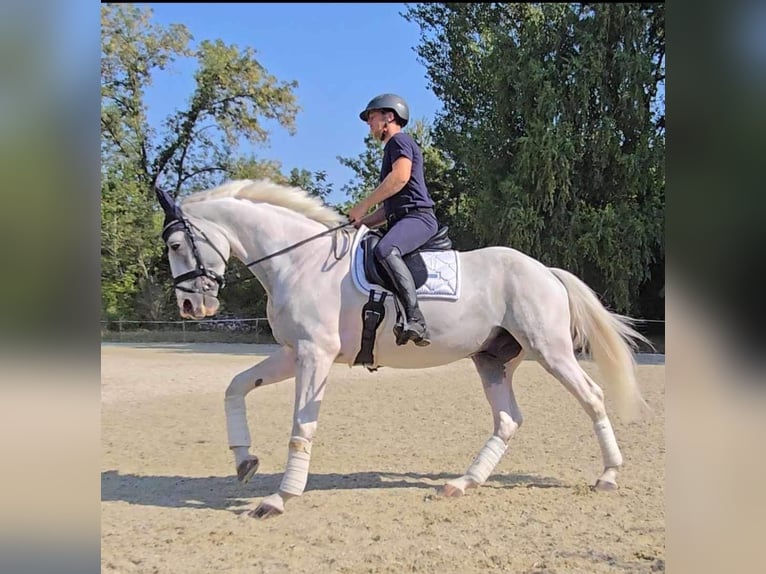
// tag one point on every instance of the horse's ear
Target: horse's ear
(172, 211)
(167, 203)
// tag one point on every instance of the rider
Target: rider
(407, 206)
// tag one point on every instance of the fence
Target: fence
(258, 330)
(255, 330)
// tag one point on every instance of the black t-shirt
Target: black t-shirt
(414, 193)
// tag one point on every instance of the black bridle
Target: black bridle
(183, 224)
(176, 221)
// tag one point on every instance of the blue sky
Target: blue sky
(340, 55)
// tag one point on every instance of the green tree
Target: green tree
(314, 182)
(129, 243)
(195, 147)
(252, 168)
(552, 119)
(446, 186)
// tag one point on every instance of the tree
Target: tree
(551, 116)
(129, 244)
(195, 148)
(315, 183)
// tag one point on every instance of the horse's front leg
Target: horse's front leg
(275, 368)
(313, 366)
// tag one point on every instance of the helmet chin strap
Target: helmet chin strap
(384, 131)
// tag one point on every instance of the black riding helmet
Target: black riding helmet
(388, 102)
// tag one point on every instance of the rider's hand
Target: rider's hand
(356, 214)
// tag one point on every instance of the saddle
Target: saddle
(374, 311)
(375, 273)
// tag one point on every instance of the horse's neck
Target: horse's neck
(256, 230)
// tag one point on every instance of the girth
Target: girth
(373, 313)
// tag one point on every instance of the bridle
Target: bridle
(175, 220)
(183, 224)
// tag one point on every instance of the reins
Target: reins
(290, 248)
(293, 246)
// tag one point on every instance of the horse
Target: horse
(510, 306)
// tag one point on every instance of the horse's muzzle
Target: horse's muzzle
(207, 306)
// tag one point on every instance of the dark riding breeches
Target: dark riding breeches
(408, 233)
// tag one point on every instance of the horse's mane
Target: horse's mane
(265, 190)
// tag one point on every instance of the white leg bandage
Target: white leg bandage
(297, 471)
(236, 421)
(608, 443)
(487, 459)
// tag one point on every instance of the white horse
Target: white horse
(510, 306)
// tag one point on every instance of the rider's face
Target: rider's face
(376, 119)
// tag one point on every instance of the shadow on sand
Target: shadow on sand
(225, 493)
(263, 350)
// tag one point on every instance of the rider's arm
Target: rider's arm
(392, 184)
(376, 218)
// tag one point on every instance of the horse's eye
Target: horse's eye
(175, 245)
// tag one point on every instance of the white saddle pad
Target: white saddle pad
(443, 269)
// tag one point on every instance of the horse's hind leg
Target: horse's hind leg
(275, 368)
(496, 378)
(560, 361)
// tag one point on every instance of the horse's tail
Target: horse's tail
(609, 337)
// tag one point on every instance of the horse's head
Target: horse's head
(197, 253)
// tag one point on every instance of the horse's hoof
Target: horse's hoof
(451, 491)
(605, 485)
(263, 512)
(269, 507)
(246, 469)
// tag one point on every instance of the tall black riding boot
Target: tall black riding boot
(415, 326)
